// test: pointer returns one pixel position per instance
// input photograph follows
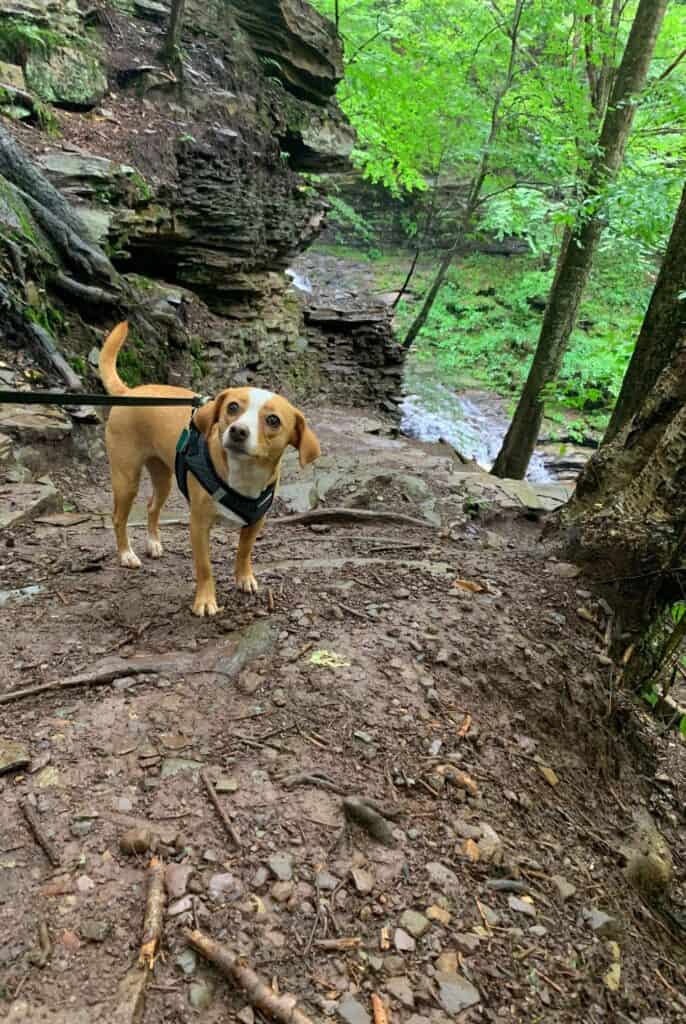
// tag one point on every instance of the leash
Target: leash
(63, 399)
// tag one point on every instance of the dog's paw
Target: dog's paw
(154, 548)
(129, 560)
(248, 584)
(205, 606)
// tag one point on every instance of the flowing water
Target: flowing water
(474, 422)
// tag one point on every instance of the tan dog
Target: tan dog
(247, 432)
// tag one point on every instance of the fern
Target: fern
(20, 38)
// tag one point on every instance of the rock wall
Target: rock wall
(190, 180)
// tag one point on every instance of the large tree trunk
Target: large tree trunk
(663, 328)
(170, 50)
(627, 520)
(576, 258)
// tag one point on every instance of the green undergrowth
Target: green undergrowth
(484, 326)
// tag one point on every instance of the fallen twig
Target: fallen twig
(339, 944)
(281, 1007)
(34, 824)
(218, 808)
(362, 813)
(43, 952)
(379, 1010)
(350, 515)
(98, 678)
(313, 779)
(154, 915)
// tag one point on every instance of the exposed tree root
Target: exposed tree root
(351, 515)
(99, 678)
(281, 1007)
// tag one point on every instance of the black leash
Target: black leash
(61, 398)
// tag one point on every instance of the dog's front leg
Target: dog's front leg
(205, 602)
(245, 580)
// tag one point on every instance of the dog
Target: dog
(241, 435)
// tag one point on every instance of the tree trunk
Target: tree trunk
(663, 328)
(576, 258)
(430, 298)
(170, 50)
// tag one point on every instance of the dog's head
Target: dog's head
(257, 424)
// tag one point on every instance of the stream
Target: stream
(474, 422)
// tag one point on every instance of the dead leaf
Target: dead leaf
(466, 725)
(586, 615)
(385, 939)
(474, 588)
(471, 851)
(464, 781)
(549, 775)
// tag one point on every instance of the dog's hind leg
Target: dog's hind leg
(161, 481)
(125, 481)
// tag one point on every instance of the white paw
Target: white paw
(248, 584)
(154, 548)
(130, 560)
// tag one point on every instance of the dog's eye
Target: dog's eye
(233, 407)
(273, 421)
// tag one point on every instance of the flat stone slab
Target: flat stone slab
(21, 502)
(514, 494)
(34, 422)
(13, 755)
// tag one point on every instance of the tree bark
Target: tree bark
(170, 50)
(576, 258)
(663, 328)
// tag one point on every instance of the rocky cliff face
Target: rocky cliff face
(188, 180)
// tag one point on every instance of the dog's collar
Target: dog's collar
(193, 454)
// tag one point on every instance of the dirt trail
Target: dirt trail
(476, 714)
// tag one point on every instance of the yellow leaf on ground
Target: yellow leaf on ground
(549, 775)
(471, 850)
(327, 659)
(466, 725)
(474, 588)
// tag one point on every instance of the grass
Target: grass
(484, 326)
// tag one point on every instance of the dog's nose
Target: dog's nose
(238, 433)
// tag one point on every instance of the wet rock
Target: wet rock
(81, 827)
(246, 1015)
(174, 765)
(22, 502)
(362, 880)
(226, 885)
(200, 994)
(447, 962)
(521, 906)
(436, 913)
(414, 923)
(442, 877)
(467, 942)
(13, 755)
(180, 906)
(564, 888)
(282, 891)
(279, 697)
(403, 942)
(400, 988)
(281, 866)
(259, 878)
(35, 422)
(95, 930)
(352, 1011)
(176, 878)
(538, 931)
(187, 961)
(602, 924)
(455, 993)
(84, 884)
(138, 840)
(491, 848)
(326, 881)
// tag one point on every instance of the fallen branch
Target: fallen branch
(350, 515)
(34, 824)
(282, 1007)
(218, 808)
(313, 779)
(99, 678)
(379, 1010)
(154, 915)
(339, 944)
(361, 813)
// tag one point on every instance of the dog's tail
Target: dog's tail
(107, 364)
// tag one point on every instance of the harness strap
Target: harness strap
(193, 455)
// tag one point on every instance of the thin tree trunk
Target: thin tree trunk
(663, 328)
(574, 264)
(475, 186)
(170, 50)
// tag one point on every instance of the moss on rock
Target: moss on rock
(69, 77)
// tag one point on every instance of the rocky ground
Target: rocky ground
(452, 672)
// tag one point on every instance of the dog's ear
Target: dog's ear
(305, 440)
(207, 415)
